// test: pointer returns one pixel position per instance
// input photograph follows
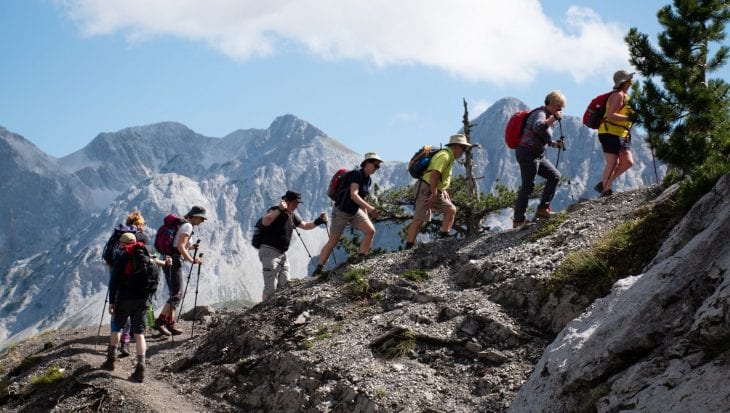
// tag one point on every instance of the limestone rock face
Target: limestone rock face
(659, 341)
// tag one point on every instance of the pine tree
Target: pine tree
(687, 118)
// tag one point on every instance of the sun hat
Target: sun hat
(292, 196)
(370, 156)
(620, 77)
(127, 238)
(196, 211)
(459, 139)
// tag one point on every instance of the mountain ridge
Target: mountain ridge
(236, 178)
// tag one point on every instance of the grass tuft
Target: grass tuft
(52, 375)
(547, 227)
(416, 275)
(623, 251)
(402, 344)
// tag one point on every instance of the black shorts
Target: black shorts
(613, 144)
(136, 310)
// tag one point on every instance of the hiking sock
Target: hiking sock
(141, 359)
(409, 245)
(318, 270)
(111, 352)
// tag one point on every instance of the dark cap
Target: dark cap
(196, 211)
(292, 196)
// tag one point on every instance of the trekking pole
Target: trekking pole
(185, 291)
(562, 140)
(103, 309)
(305, 245)
(195, 305)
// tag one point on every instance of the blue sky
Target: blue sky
(375, 74)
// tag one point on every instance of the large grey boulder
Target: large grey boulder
(659, 341)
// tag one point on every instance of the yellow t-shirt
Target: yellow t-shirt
(620, 129)
(443, 162)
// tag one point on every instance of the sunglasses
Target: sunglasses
(376, 165)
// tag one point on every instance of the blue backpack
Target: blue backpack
(113, 243)
(419, 161)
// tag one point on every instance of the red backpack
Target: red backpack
(337, 184)
(593, 116)
(166, 234)
(515, 127)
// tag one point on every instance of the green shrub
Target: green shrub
(52, 375)
(357, 286)
(623, 251)
(402, 344)
(416, 275)
(547, 227)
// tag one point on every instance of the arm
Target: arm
(322, 219)
(543, 126)
(355, 196)
(274, 213)
(182, 248)
(614, 104)
(433, 182)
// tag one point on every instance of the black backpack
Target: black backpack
(141, 272)
(258, 234)
(112, 244)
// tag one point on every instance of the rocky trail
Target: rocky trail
(449, 326)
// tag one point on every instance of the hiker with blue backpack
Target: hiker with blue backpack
(133, 282)
(134, 224)
(274, 238)
(430, 192)
(351, 208)
(614, 133)
(174, 239)
(537, 134)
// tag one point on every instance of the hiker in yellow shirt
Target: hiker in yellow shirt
(430, 190)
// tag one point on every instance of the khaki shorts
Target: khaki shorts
(340, 220)
(421, 193)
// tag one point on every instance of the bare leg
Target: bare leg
(413, 230)
(368, 231)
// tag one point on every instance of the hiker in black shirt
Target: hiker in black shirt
(278, 225)
(352, 209)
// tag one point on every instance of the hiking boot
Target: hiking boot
(174, 330)
(409, 245)
(160, 326)
(599, 187)
(606, 193)
(517, 224)
(123, 349)
(108, 364)
(318, 270)
(138, 374)
(545, 212)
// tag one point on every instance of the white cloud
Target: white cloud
(497, 42)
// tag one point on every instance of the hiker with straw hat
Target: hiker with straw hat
(431, 190)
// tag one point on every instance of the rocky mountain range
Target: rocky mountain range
(59, 212)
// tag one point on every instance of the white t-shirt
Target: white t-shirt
(186, 228)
